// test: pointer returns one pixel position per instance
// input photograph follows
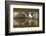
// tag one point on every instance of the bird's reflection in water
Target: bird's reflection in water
(23, 21)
